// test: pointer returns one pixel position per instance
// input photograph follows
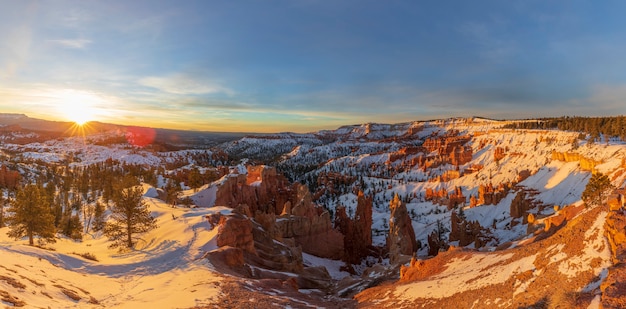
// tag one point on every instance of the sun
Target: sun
(78, 115)
(77, 106)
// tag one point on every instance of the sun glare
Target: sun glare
(79, 117)
(77, 106)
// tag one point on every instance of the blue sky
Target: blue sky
(304, 65)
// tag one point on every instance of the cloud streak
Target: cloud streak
(182, 84)
(72, 43)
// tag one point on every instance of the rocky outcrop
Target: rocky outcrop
(245, 243)
(274, 255)
(268, 222)
(419, 269)
(363, 223)
(461, 155)
(435, 243)
(261, 188)
(231, 191)
(310, 226)
(284, 211)
(444, 198)
(401, 240)
(559, 219)
(449, 149)
(586, 164)
(303, 203)
(332, 182)
(466, 232)
(614, 286)
(617, 199)
(490, 195)
(523, 175)
(228, 256)
(498, 154)
(520, 205)
(450, 175)
(358, 231)
(271, 189)
(403, 153)
(235, 231)
(615, 227)
(344, 224)
(446, 144)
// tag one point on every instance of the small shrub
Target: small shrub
(8, 298)
(93, 301)
(12, 282)
(69, 293)
(87, 255)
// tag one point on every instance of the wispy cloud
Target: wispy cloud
(182, 84)
(72, 43)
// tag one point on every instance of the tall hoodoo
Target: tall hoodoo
(401, 240)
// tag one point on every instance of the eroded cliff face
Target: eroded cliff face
(262, 188)
(309, 226)
(286, 212)
(574, 258)
(467, 232)
(358, 231)
(247, 249)
(235, 231)
(586, 164)
(614, 286)
(401, 240)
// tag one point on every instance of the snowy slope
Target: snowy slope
(576, 259)
(165, 269)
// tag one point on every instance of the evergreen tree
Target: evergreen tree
(72, 227)
(597, 190)
(98, 220)
(172, 192)
(30, 216)
(194, 180)
(129, 216)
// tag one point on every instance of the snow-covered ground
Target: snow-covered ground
(165, 270)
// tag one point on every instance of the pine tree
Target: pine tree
(597, 190)
(129, 216)
(72, 227)
(30, 216)
(98, 220)
(194, 179)
(172, 192)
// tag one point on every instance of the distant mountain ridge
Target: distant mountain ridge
(168, 136)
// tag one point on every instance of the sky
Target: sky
(306, 65)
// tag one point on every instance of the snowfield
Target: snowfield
(165, 270)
